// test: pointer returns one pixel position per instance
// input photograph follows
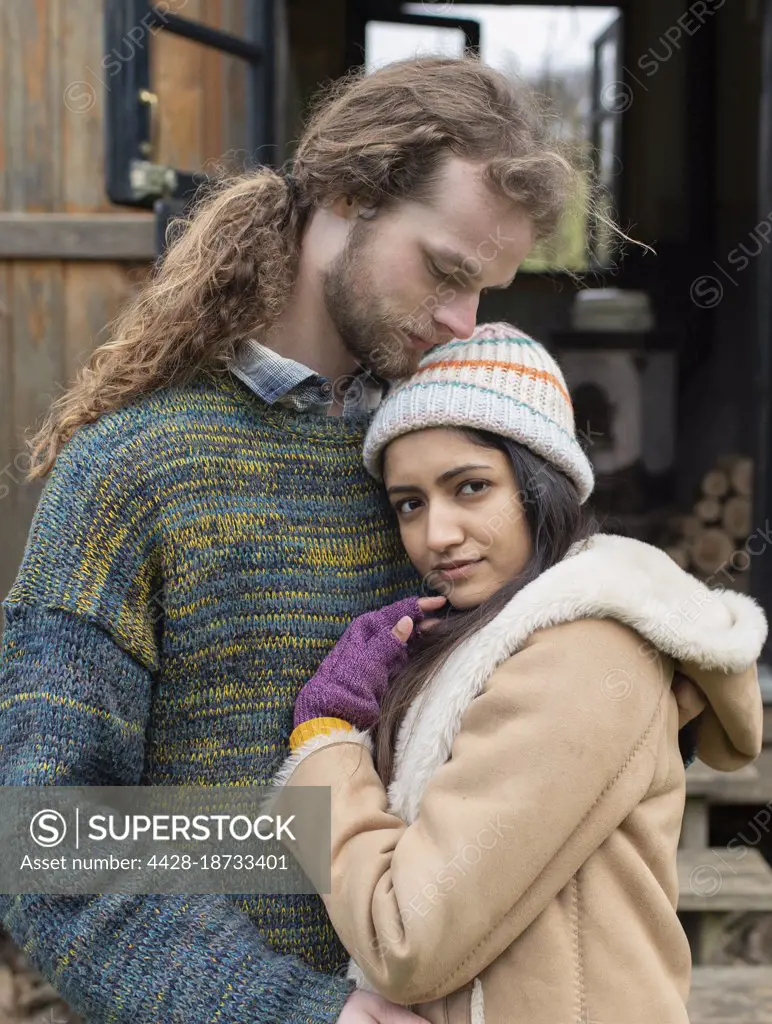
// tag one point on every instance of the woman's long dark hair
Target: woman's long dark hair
(555, 520)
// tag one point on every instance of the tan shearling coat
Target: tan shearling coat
(521, 868)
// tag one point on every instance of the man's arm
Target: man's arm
(73, 711)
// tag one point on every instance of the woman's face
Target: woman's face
(459, 511)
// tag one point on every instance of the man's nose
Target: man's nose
(459, 316)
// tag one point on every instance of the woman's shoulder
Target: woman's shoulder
(598, 653)
(590, 680)
(601, 637)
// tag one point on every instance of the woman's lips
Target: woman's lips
(460, 571)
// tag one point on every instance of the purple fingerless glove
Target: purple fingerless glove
(352, 679)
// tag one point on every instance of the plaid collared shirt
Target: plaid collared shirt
(277, 379)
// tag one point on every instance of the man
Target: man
(207, 529)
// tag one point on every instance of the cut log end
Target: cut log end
(736, 516)
(708, 510)
(739, 468)
(715, 483)
(711, 550)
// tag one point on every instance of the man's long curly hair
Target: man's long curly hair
(381, 137)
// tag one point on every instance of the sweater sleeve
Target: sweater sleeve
(545, 766)
(73, 711)
(79, 654)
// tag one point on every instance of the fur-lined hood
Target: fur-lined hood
(715, 636)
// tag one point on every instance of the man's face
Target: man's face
(410, 278)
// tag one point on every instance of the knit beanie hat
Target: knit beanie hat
(498, 380)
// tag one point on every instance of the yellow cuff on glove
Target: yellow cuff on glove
(315, 727)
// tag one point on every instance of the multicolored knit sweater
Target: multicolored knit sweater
(192, 559)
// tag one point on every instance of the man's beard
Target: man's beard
(375, 338)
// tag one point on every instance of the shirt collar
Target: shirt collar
(279, 380)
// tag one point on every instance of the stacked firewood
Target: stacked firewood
(25, 996)
(710, 542)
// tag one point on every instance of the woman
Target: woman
(505, 848)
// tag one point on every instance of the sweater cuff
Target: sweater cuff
(315, 727)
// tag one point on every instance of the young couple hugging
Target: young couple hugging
(304, 521)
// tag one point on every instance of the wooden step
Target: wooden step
(706, 788)
(720, 880)
(731, 995)
(749, 785)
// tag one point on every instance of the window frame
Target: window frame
(131, 177)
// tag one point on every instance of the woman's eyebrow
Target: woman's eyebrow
(441, 479)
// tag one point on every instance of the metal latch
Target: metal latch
(149, 179)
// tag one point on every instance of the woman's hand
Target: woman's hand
(352, 679)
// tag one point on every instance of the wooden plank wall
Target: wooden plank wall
(201, 93)
(52, 89)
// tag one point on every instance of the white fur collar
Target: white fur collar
(605, 577)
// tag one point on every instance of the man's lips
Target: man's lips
(420, 343)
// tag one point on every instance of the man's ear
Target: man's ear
(350, 207)
(346, 207)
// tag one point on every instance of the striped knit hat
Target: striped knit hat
(498, 380)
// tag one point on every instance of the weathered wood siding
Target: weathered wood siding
(52, 89)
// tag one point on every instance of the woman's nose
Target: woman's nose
(443, 531)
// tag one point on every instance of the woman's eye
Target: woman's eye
(478, 486)
(401, 506)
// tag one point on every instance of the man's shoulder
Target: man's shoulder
(123, 464)
(154, 426)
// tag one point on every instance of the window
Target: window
(152, 131)
(570, 53)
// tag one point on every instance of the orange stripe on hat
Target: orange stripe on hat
(526, 371)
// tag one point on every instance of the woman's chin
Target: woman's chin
(463, 598)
